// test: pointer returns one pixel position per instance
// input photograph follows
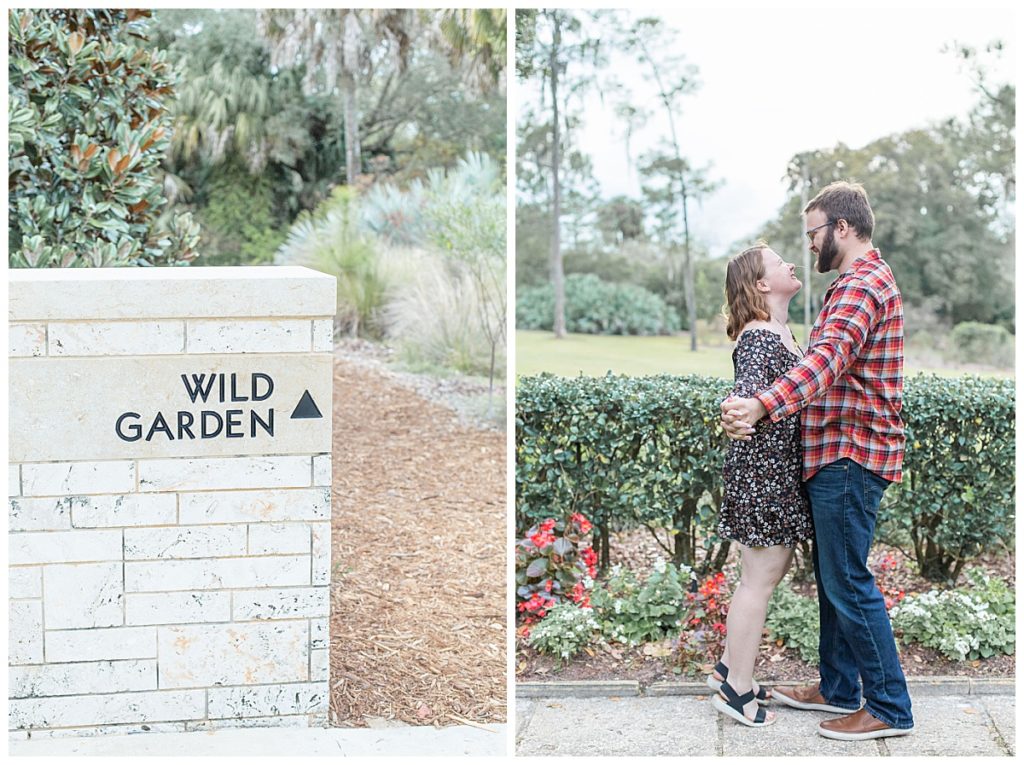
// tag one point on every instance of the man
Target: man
(850, 384)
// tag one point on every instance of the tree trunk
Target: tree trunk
(605, 545)
(350, 70)
(688, 279)
(557, 270)
(688, 289)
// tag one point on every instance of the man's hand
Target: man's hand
(739, 415)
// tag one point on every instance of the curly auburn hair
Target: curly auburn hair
(743, 303)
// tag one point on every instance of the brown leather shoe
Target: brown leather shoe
(805, 697)
(859, 726)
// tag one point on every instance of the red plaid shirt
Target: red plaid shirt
(851, 379)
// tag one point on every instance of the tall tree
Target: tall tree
(669, 183)
(562, 51)
(477, 42)
(339, 49)
(653, 42)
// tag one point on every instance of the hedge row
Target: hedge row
(627, 451)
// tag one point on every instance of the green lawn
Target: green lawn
(594, 355)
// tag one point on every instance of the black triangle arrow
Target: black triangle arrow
(306, 410)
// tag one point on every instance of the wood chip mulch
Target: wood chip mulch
(418, 615)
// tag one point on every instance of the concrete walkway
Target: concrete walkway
(454, 741)
(954, 718)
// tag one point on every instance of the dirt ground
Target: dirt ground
(418, 611)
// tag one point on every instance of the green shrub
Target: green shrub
(564, 632)
(793, 619)
(965, 623)
(88, 126)
(623, 451)
(978, 343)
(957, 494)
(238, 219)
(329, 240)
(596, 307)
(626, 451)
(632, 612)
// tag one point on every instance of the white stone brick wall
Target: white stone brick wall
(179, 581)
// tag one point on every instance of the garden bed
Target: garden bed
(655, 662)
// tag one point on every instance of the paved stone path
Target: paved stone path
(945, 724)
(454, 741)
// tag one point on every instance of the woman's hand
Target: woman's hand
(739, 415)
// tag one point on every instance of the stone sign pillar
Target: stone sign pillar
(170, 501)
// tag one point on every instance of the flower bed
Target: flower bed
(649, 655)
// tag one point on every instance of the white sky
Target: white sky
(776, 82)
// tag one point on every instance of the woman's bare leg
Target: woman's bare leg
(762, 568)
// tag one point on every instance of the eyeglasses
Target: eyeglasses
(810, 232)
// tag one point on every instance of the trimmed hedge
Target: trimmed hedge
(627, 451)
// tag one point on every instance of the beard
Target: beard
(827, 253)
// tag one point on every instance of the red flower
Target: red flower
(580, 520)
(548, 585)
(542, 539)
(547, 525)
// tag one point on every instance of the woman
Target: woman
(764, 506)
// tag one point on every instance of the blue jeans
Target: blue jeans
(856, 635)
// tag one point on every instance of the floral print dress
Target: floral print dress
(764, 501)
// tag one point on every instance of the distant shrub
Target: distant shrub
(330, 240)
(596, 307)
(431, 316)
(978, 343)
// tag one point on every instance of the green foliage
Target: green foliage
(649, 450)
(460, 217)
(794, 620)
(623, 451)
(330, 241)
(596, 307)
(703, 637)
(238, 219)
(965, 623)
(983, 344)
(633, 612)
(943, 219)
(957, 494)
(88, 126)
(565, 631)
(551, 561)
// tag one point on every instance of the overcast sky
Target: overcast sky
(777, 82)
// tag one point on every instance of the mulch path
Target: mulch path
(418, 595)
(638, 550)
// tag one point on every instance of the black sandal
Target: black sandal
(716, 685)
(730, 703)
